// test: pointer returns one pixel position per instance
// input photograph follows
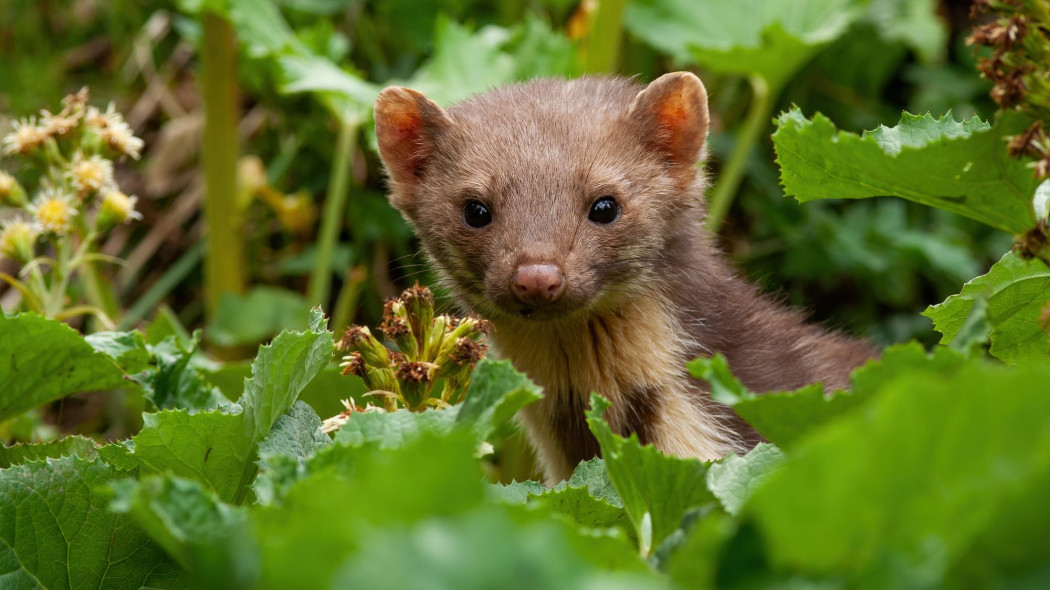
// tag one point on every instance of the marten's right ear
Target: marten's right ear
(407, 123)
(672, 112)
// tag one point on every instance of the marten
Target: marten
(569, 213)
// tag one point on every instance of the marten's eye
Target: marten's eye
(604, 211)
(476, 214)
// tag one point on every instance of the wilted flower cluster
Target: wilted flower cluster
(69, 157)
(1019, 68)
(430, 349)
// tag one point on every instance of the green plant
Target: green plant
(76, 202)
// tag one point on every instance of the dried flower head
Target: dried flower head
(101, 120)
(1028, 141)
(25, 138)
(59, 124)
(90, 174)
(467, 352)
(117, 208)
(119, 137)
(54, 211)
(353, 364)
(18, 240)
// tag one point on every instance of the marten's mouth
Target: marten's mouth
(525, 312)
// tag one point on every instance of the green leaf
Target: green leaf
(189, 522)
(915, 23)
(325, 515)
(587, 497)
(656, 489)
(174, 379)
(496, 392)
(1016, 292)
(784, 418)
(485, 549)
(960, 167)
(770, 38)
(733, 479)
(70, 445)
(127, 349)
(256, 316)
(934, 464)
(284, 452)
(218, 448)
(42, 360)
(56, 532)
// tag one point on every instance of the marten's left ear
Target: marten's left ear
(673, 114)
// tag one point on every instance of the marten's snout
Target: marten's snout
(537, 284)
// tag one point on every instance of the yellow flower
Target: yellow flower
(90, 174)
(54, 211)
(101, 120)
(26, 137)
(11, 193)
(18, 240)
(117, 208)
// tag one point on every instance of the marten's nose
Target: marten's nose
(537, 284)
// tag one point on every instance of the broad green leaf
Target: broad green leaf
(56, 533)
(770, 38)
(515, 492)
(218, 447)
(656, 489)
(587, 497)
(323, 518)
(323, 393)
(70, 445)
(463, 63)
(1016, 292)
(284, 452)
(785, 417)
(915, 23)
(496, 392)
(905, 487)
(486, 549)
(733, 479)
(189, 522)
(174, 378)
(256, 316)
(960, 167)
(127, 349)
(42, 360)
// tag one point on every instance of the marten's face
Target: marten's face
(548, 199)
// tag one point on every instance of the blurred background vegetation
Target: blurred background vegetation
(289, 183)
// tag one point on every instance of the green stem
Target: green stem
(601, 48)
(319, 289)
(732, 174)
(98, 290)
(224, 259)
(56, 295)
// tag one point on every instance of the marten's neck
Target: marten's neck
(635, 356)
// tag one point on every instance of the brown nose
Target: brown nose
(537, 284)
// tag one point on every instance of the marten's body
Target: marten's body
(570, 215)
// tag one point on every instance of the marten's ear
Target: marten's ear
(673, 114)
(407, 123)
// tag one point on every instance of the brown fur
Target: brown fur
(643, 295)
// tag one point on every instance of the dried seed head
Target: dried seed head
(394, 328)
(415, 372)
(1027, 141)
(1010, 89)
(59, 124)
(467, 352)
(353, 364)
(352, 336)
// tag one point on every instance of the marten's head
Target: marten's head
(548, 198)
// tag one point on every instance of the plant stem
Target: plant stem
(319, 289)
(732, 173)
(224, 258)
(601, 48)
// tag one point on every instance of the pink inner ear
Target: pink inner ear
(400, 130)
(681, 139)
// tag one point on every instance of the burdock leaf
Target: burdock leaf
(42, 360)
(1017, 292)
(56, 531)
(962, 167)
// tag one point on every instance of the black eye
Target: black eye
(476, 214)
(604, 211)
